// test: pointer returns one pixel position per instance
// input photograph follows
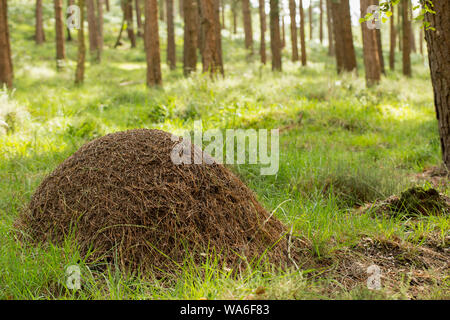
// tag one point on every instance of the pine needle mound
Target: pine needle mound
(123, 200)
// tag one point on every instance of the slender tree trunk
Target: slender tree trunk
(128, 11)
(421, 36)
(399, 27)
(171, 57)
(302, 33)
(379, 42)
(222, 12)
(190, 36)
(262, 24)
(211, 52)
(438, 42)
(151, 41)
(161, 10)
(79, 73)
(6, 67)
(330, 31)
(412, 37)
(406, 24)
(107, 5)
(370, 48)
(392, 41)
(345, 51)
(293, 16)
(59, 30)
(234, 14)
(140, 27)
(283, 32)
(94, 47)
(39, 32)
(321, 21)
(275, 41)
(310, 17)
(247, 25)
(100, 25)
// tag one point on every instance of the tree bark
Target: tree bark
(140, 27)
(370, 48)
(234, 14)
(345, 51)
(263, 27)
(302, 33)
(151, 41)
(310, 17)
(190, 36)
(79, 72)
(171, 57)
(330, 30)
(59, 31)
(94, 37)
(392, 41)
(438, 42)
(128, 12)
(161, 10)
(406, 43)
(283, 32)
(6, 67)
(275, 41)
(100, 25)
(39, 32)
(379, 42)
(293, 16)
(248, 32)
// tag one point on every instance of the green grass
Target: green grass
(354, 145)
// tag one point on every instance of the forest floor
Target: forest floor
(341, 146)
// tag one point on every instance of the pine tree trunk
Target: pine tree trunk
(100, 25)
(302, 33)
(171, 57)
(59, 31)
(283, 32)
(330, 31)
(438, 42)
(275, 41)
(379, 42)
(222, 12)
(234, 14)
(107, 5)
(211, 53)
(247, 25)
(190, 36)
(263, 27)
(370, 48)
(293, 16)
(79, 73)
(39, 32)
(421, 36)
(392, 41)
(140, 27)
(6, 68)
(345, 51)
(321, 22)
(161, 10)
(181, 8)
(94, 37)
(128, 12)
(406, 43)
(310, 17)
(151, 41)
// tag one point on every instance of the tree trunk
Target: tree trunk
(302, 33)
(321, 22)
(406, 24)
(151, 41)
(140, 27)
(6, 68)
(79, 73)
(211, 57)
(438, 42)
(262, 24)
(399, 27)
(107, 5)
(39, 32)
(275, 41)
(100, 24)
(59, 31)
(421, 41)
(310, 17)
(161, 10)
(293, 16)
(370, 48)
(222, 12)
(283, 33)
(330, 31)
(94, 37)
(345, 51)
(128, 12)
(379, 42)
(392, 41)
(171, 57)
(181, 8)
(69, 34)
(190, 36)
(247, 25)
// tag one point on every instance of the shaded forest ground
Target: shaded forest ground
(350, 146)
